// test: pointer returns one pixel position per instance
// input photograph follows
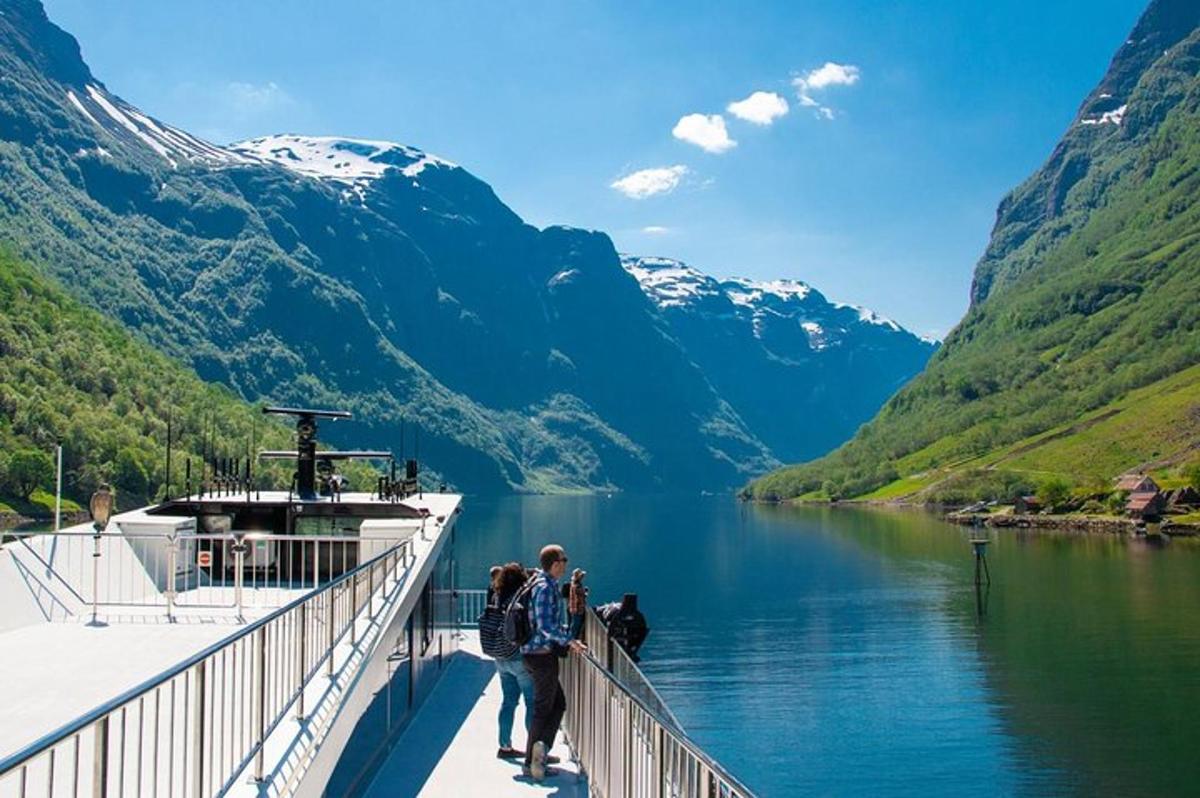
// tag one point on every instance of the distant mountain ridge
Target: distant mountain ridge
(377, 277)
(1088, 295)
(800, 369)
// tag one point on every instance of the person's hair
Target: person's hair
(550, 555)
(509, 580)
(495, 575)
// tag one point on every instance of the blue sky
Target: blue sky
(878, 186)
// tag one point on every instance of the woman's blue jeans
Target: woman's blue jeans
(514, 682)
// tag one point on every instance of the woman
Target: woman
(514, 679)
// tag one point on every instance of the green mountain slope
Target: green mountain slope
(69, 375)
(1087, 292)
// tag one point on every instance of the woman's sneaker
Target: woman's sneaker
(509, 752)
(537, 764)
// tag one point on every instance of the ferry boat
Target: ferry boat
(308, 642)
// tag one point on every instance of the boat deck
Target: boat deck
(449, 750)
(62, 668)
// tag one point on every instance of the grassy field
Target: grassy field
(1154, 428)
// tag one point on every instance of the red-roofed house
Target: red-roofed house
(1146, 505)
(1136, 483)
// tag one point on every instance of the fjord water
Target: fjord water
(820, 651)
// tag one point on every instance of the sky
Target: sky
(861, 146)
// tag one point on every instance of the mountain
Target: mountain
(1084, 307)
(800, 370)
(372, 276)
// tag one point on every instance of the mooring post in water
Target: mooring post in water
(979, 545)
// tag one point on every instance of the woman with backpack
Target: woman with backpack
(515, 681)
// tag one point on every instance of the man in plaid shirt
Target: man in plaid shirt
(540, 655)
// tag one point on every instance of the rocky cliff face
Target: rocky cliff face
(1125, 106)
(378, 277)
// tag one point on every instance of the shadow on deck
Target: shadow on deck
(450, 747)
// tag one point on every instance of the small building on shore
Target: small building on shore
(1026, 505)
(1136, 483)
(1145, 505)
(1183, 499)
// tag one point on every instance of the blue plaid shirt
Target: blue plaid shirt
(545, 616)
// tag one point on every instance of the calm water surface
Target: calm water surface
(841, 652)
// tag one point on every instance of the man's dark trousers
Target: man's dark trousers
(549, 702)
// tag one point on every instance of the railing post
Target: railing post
(370, 592)
(330, 600)
(316, 563)
(302, 611)
(627, 758)
(260, 699)
(95, 577)
(354, 609)
(172, 567)
(658, 761)
(100, 765)
(198, 701)
(239, 570)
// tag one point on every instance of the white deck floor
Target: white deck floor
(449, 750)
(45, 685)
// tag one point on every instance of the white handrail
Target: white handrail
(192, 729)
(231, 571)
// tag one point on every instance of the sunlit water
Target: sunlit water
(841, 652)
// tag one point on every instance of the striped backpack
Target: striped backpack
(491, 631)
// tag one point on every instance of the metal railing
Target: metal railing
(623, 733)
(470, 606)
(622, 667)
(627, 748)
(235, 571)
(193, 729)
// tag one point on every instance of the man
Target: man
(540, 655)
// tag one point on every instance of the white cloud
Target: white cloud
(648, 182)
(706, 132)
(831, 74)
(655, 230)
(823, 77)
(761, 107)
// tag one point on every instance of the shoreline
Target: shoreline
(1102, 525)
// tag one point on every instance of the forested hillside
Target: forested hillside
(70, 376)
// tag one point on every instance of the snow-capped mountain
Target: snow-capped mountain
(786, 356)
(766, 306)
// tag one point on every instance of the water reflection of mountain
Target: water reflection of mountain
(1089, 645)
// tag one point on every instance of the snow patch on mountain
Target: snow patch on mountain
(869, 316)
(1113, 117)
(764, 303)
(355, 162)
(120, 120)
(670, 283)
(749, 292)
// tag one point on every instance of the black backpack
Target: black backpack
(491, 632)
(517, 629)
